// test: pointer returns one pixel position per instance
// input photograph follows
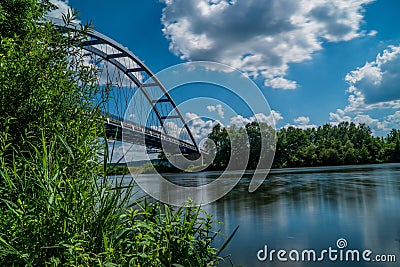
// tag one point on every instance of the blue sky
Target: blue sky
(315, 61)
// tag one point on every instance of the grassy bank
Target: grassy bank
(50, 219)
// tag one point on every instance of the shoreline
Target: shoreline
(329, 168)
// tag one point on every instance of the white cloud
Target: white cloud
(375, 124)
(339, 116)
(260, 37)
(376, 84)
(381, 125)
(217, 108)
(172, 129)
(126, 152)
(239, 120)
(62, 8)
(372, 33)
(281, 83)
(302, 120)
(394, 119)
(211, 108)
(270, 119)
(199, 128)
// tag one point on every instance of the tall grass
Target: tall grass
(53, 216)
(57, 206)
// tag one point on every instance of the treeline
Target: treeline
(342, 144)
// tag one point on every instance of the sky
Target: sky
(315, 61)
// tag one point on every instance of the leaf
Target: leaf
(227, 241)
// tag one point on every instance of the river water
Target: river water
(307, 209)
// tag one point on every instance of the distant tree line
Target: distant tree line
(342, 144)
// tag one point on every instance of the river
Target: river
(308, 209)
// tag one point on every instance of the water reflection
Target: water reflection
(311, 208)
(303, 209)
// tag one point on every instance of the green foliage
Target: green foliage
(52, 211)
(19, 17)
(222, 149)
(160, 236)
(46, 86)
(345, 143)
(49, 218)
(391, 151)
(57, 207)
(117, 170)
(245, 139)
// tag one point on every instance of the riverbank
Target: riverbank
(148, 169)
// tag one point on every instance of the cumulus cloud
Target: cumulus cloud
(259, 37)
(62, 8)
(217, 108)
(199, 127)
(375, 124)
(377, 83)
(374, 86)
(270, 119)
(281, 83)
(394, 119)
(372, 33)
(301, 122)
(339, 116)
(173, 129)
(381, 125)
(125, 152)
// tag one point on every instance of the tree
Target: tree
(345, 143)
(220, 148)
(391, 151)
(45, 85)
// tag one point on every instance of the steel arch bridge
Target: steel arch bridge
(138, 104)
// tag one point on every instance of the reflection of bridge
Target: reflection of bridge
(138, 109)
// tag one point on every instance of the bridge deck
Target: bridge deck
(137, 134)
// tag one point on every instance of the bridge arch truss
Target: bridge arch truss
(138, 103)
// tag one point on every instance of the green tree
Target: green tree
(345, 143)
(391, 151)
(221, 147)
(46, 87)
(262, 139)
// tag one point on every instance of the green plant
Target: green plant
(53, 219)
(161, 236)
(57, 207)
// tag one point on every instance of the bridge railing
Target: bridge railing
(135, 127)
